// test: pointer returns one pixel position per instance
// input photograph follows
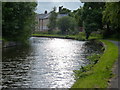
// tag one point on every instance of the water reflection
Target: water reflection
(45, 63)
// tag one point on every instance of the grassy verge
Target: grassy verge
(80, 36)
(47, 35)
(77, 37)
(97, 75)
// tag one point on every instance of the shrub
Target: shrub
(67, 25)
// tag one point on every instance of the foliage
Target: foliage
(64, 11)
(92, 17)
(111, 18)
(112, 13)
(67, 25)
(77, 14)
(80, 36)
(94, 58)
(18, 20)
(52, 20)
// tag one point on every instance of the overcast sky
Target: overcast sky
(42, 6)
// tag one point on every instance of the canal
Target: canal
(44, 63)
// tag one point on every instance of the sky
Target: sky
(42, 6)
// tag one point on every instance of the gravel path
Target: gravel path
(114, 82)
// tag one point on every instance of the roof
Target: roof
(61, 15)
(43, 16)
(46, 16)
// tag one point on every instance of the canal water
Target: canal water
(43, 63)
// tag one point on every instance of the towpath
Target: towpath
(114, 82)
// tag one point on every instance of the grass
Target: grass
(54, 35)
(77, 37)
(94, 37)
(80, 36)
(97, 76)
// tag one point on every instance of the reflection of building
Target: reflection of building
(43, 20)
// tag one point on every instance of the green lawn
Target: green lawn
(100, 73)
(77, 37)
(48, 35)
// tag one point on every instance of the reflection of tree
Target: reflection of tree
(17, 51)
(15, 65)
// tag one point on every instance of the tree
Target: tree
(77, 14)
(67, 24)
(52, 20)
(78, 17)
(111, 17)
(92, 17)
(112, 13)
(18, 20)
(64, 11)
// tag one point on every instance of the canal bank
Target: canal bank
(74, 37)
(98, 75)
(6, 44)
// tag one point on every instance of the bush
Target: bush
(95, 34)
(80, 36)
(67, 25)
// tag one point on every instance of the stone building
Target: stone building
(42, 21)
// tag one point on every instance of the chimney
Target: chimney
(45, 11)
(60, 8)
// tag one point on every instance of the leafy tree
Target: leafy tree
(52, 20)
(111, 17)
(112, 13)
(78, 17)
(92, 17)
(64, 11)
(18, 20)
(67, 25)
(77, 14)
